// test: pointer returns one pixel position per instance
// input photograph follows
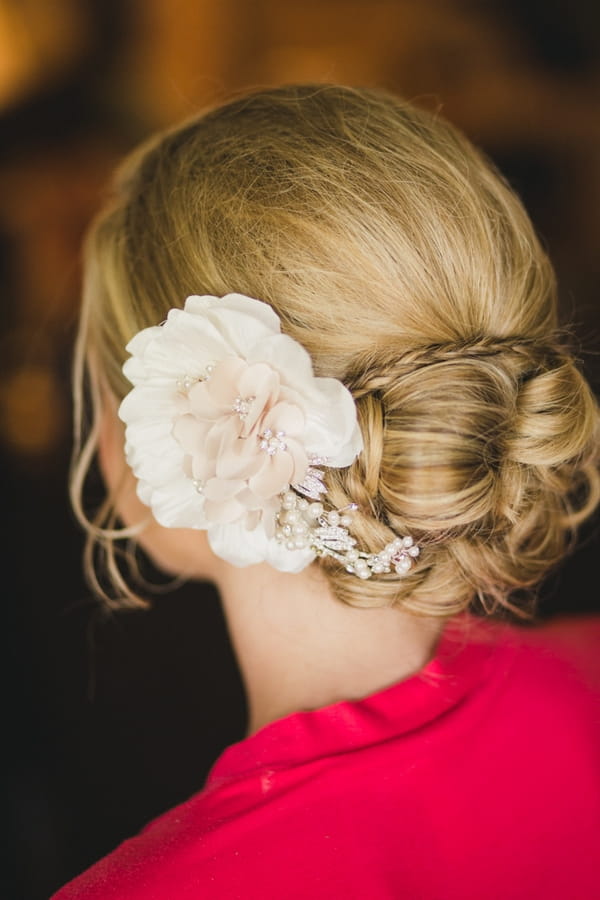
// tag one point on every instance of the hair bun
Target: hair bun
(484, 450)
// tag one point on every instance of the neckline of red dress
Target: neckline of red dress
(461, 660)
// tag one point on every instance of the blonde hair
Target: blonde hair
(400, 259)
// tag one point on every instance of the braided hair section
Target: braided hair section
(485, 451)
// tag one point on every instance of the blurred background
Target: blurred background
(110, 720)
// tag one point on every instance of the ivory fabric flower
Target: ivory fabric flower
(224, 415)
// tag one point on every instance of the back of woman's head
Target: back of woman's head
(396, 255)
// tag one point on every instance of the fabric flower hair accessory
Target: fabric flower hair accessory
(226, 419)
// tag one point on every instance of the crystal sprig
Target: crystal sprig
(302, 524)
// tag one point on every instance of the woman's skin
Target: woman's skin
(298, 647)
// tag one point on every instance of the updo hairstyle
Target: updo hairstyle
(398, 257)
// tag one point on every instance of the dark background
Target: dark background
(109, 720)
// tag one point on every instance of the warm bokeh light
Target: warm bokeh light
(33, 410)
(39, 40)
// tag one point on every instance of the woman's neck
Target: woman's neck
(299, 648)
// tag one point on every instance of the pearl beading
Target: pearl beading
(242, 405)
(188, 381)
(301, 524)
(272, 442)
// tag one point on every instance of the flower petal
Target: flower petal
(241, 547)
(139, 343)
(273, 476)
(223, 384)
(242, 322)
(238, 546)
(178, 505)
(238, 460)
(256, 309)
(203, 404)
(221, 489)
(190, 434)
(206, 305)
(287, 357)
(331, 428)
(147, 403)
(285, 417)
(278, 556)
(224, 512)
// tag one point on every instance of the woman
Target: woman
(331, 335)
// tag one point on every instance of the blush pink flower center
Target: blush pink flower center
(241, 432)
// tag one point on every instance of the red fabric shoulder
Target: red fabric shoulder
(477, 777)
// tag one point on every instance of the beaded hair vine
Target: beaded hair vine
(303, 521)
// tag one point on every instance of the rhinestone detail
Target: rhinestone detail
(188, 381)
(242, 405)
(272, 441)
(301, 525)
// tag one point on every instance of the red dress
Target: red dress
(476, 779)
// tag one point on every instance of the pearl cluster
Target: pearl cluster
(241, 406)
(301, 524)
(188, 381)
(399, 553)
(295, 521)
(271, 442)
